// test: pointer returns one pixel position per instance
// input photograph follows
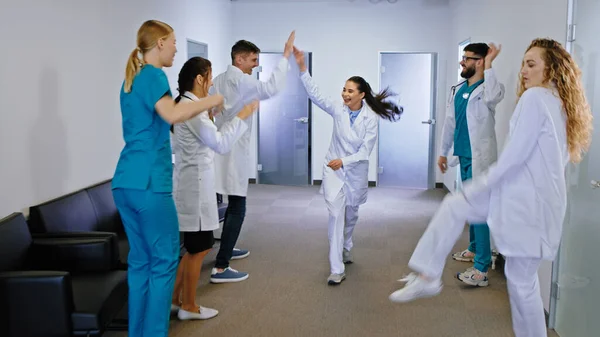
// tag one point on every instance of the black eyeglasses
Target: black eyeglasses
(465, 58)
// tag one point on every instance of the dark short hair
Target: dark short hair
(243, 47)
(479, 49)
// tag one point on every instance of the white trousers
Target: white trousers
(342, 219)
(441, 235)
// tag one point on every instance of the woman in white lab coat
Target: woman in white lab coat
(195, 142)
(346, 167)
(523, 195)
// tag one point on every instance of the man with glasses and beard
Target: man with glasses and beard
(469, 128)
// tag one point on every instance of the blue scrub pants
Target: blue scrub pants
(479, 234)
(152, 228)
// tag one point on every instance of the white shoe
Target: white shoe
(203, 313)
(415, 288)
(335, 279)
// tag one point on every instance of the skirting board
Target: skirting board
(371, 183)
(318, 182)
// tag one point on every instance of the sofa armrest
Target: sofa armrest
(73, 254)
(35, 303)
(114, 238)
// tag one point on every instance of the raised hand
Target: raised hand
(299, 56)
(289, 45)
(492, 53)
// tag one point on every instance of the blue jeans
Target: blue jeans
(479, 234)
(152, 228)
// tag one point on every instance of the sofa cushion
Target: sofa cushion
(98, 298)
(72, 213)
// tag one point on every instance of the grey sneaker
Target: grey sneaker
(347, 256)
(335, 279)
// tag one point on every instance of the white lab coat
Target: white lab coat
(481, 111)
(523, 199)
(195, 143)
(350, 143)
(526, 188)
(233, 168)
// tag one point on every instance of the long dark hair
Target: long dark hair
(187, 75)
(377, 103)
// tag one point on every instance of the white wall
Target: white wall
(345, 39)
(60, 75)
(514, 23)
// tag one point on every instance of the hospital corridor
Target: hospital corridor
(286, 295)
(302, 168)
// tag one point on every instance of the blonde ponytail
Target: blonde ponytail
(147, 36)
(134, 64)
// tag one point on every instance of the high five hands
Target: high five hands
(299, 56)
(289, 45)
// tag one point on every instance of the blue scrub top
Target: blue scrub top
(462, 142)
(145, 162)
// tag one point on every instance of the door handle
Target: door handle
(429, 121)
(595, 184)
(303, 120)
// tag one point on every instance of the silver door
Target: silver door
(405, 147)
(196, 49)
(576, 290)
(284, 128)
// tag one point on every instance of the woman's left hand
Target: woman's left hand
(335, 164)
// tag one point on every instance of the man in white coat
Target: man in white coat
(232, 169)
(469, 127)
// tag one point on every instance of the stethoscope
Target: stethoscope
(453, 91)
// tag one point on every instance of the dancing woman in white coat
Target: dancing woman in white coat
(523, 195)
(346, 168)
(195, 144)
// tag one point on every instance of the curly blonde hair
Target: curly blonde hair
(562, 70)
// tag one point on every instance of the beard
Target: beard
(467, 73)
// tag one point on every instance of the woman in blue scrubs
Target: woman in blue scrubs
(142, 184)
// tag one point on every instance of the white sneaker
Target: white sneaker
(474, 277)
(416, 287)
(335, 279)
(203, 313)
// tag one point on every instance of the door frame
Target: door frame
(188, 41)
(432, 112)
(571, 16)
(310, 140)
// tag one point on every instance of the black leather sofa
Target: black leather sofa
(57, 285)
(89, 210)
(85, 211)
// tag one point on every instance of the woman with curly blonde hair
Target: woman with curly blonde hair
(523, 195)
